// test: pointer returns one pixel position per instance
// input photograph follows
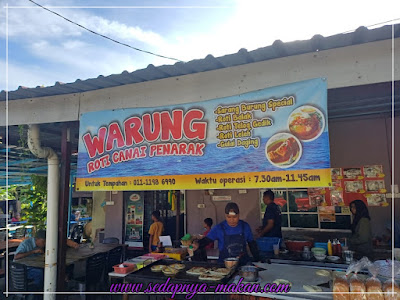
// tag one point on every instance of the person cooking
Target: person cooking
(361, 237)
(233, 235)
(272, 221)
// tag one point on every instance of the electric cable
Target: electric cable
(104, 36)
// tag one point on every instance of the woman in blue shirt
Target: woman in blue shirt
(233, 235)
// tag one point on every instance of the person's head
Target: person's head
(77, 215)
(208, 223)
(195, 244)
(40, 239)
(268, 197)
(232, 214)
(358, 208)
(155, 216)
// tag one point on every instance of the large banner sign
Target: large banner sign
(276, 137)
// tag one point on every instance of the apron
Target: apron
(234, 245)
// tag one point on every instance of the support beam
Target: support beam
(178, 214)
(63, 207)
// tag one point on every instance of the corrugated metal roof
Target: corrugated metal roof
(276, 50)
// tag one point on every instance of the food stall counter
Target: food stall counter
(298, 276)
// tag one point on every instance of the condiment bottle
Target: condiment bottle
(339, 247)
(334, 247)
(329, 248)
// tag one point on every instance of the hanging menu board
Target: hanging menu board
(364, 183)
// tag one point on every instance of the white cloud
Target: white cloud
(84, 58)
(122, 32)
(25, 75)
(70, 53)
(33, 23)
(30, 23)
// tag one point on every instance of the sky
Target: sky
(44, 49)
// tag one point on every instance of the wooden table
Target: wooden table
(73, 255)
(12, 244)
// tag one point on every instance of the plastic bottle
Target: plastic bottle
(334, 247)
(329, 248)
(339, 247)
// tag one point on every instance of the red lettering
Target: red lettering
(153, 149)
(194, 129)
(182, 149)
(174, 149)
(199, 149)
(171, 126)
(114, 134)
(96, 144)
(129, 153)
(149, 134)
(136, 153)
(132, 134)
(115, 157)
(167, 148)
(191, 150)
(105, 161)
(143, 151)
(159, 149)
(90, 167)
(97, 164)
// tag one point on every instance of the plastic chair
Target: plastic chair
(19, 280)
(111, 240)
(114, 257)
(94, 274)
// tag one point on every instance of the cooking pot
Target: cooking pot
(298, 246)
(249, 273)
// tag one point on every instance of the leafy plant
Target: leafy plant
(33, 201)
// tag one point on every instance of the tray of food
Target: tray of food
(124, 268)
(183, 271)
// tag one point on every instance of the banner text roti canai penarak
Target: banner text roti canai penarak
(169, 127)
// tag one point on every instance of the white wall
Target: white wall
(98, 212)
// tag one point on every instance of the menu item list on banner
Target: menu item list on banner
(235, 123)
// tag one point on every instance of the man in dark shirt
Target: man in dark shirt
(272, 221)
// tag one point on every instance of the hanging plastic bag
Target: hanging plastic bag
(341, 288)
(373, 284)
(357, 286)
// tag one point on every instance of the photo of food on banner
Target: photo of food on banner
(327, 213)
(352, 173)
(283, 150)
(373, 171)
(376, 200)
(317, 197)
(305, 124)
(336, 173)
(377, 186)
(337, 185)
(337, 198)
(354, 186)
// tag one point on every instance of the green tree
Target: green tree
(33, 199)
